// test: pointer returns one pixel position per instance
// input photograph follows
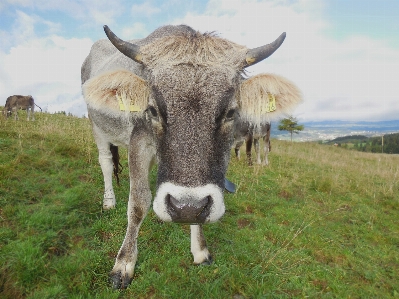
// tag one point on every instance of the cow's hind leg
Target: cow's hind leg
(257, 151)
(32, 111)
(198, 246)
(267, 148)
(105, 159)
(248, 149)
(107, 167)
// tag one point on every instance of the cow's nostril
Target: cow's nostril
(172, 206)
(174, 203)
(204, 204)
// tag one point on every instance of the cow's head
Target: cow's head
(194, 84)
(7, 112)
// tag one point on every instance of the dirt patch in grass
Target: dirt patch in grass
(285, 194)
(242, 223)
(249, 210)
(322, 285)
(329, 259)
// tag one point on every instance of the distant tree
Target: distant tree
(290, 124)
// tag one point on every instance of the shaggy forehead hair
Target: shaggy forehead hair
(195, 48)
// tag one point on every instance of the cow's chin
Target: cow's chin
(196, 205)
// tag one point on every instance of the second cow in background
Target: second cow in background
(251, 134)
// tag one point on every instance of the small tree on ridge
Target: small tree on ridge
(290, 124)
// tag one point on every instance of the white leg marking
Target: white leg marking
(198, 245)
(109, 201)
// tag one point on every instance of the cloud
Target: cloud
(88, 12)
(359, 71)
(136, 30)
(46, 67)
(145, 9)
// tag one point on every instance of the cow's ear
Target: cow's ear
(265, 97)
(115, 91)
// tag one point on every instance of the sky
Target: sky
(342, 54)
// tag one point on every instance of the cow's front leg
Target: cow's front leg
(198, 246)
(237, 149)
(141, 158)
(122, 273)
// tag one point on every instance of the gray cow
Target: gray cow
(250, 134)
(173, 98)
(16, 102)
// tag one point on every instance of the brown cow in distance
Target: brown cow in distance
(16, 102)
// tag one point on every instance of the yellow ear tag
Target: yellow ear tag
(132, 107)
(271, 105)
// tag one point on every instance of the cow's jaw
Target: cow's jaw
(202, 204)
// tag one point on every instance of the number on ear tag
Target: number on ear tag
(272, 103)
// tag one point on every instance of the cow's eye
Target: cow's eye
(152, 111)
(230, 114)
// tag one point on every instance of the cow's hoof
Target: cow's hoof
(109, 203)
(120, 281)
(108, 207)
(207, 262)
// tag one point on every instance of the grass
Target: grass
(318, 222)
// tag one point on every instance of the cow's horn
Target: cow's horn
(130, 50)
(258, 54)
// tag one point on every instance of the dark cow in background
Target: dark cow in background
(174, 99)
(250, 134)
(16, 102)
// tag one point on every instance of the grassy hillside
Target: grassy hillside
(369, 144)
(318, 222)
(348, 139)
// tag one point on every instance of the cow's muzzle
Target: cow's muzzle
(194, 205)
(188, 211)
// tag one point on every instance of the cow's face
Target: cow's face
(7, 112)
(193, 80)
(192, 112)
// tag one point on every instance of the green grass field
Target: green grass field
(319, 222)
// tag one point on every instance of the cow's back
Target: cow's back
(20, 101)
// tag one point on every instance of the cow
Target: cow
(250, 134)
(174, 98)
(16, 102)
